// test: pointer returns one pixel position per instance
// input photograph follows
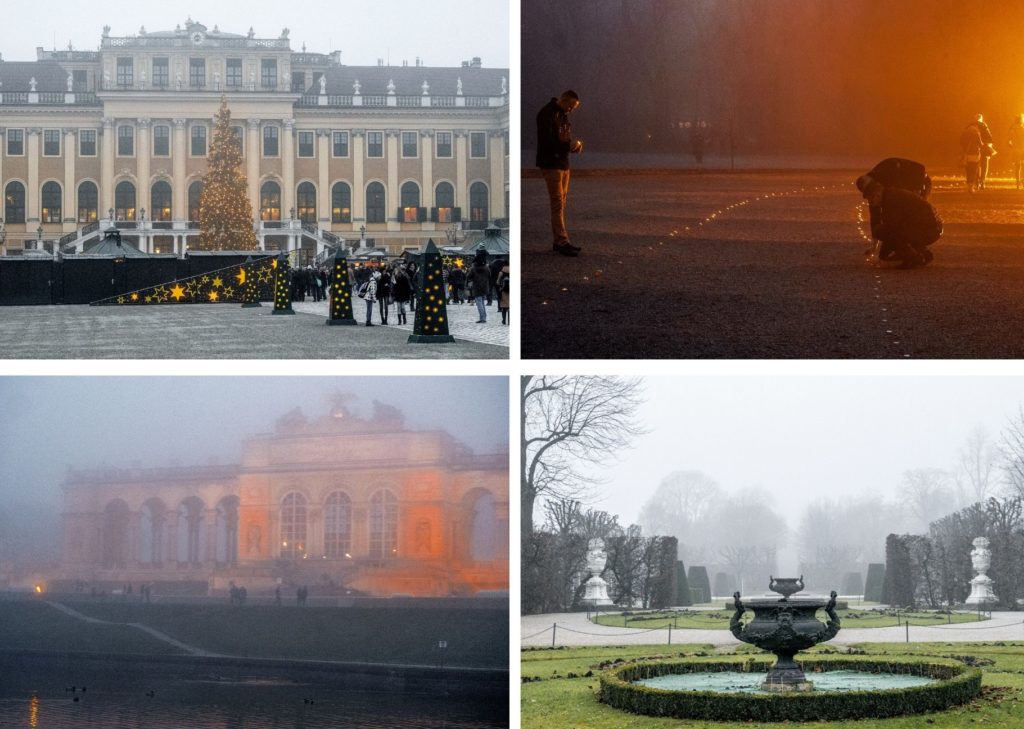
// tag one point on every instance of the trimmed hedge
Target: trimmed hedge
(957, 684)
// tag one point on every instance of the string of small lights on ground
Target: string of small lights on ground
(222, 286)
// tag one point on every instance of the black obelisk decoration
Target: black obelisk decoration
(250, 295)
(340, 310)
(431, 323)
(283, 287)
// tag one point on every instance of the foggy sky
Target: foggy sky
(441, 33)
(50, 423)
(871, 78)
(803, 438)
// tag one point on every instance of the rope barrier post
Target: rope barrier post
(554, 629)
(670, 635)
(907, 624)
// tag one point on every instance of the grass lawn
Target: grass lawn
(557, 693)
(476, 638)
(719, 619)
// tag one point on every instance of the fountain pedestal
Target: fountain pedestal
(596, 589)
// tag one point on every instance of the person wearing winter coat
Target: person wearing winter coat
(504, 285)
(384, 293)
(402, 292)
(905, 225)
(370, 296)
(479, 281)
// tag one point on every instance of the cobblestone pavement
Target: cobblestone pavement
(575, 629)
(462, 320)
(208, 331)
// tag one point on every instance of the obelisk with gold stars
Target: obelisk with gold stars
(340, 310)
(282, 286)
(431, 323)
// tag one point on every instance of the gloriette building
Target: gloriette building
(383, 156)
(340, 503)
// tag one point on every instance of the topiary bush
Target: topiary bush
(956, 684)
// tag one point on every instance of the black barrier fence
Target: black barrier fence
(84, 279)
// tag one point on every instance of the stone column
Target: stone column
(142, 156)
(179, 183)
(315, 531)
(323, 192)
(427, 153)
(393, 198)
(252, 165)
(360, 530)
(211, 536)
(32, 193)
(461, 192)
(288, 167)
(108, 144)
(70, 213)
(358, 182)
(496, 205)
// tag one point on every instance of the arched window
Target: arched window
(191, 531)
(14, 203)
(337, 525)
(444, 198)
(151, 532)
(124, 201)
(341, 203)
(226, 529)
(88, 202)
(293, 526)
(115, 534)
(160, 201)
(375, 202)
(478, 202)
(383, 525)
(51, 202)
(270, 201)
(305, 199)
(195, 196)
(410, 194)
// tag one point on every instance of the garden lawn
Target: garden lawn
(719, 619)
(557, 701)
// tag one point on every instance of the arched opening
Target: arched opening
(444, 198)
(270, 201)
(383, 525)
(115, 534)
(124, 201)
(375, 203)
(478, 203)
(410, 202)
(341, 203)
(337, 525)
(14, 203)
(226, 531)
(152, 525)
(486, 538)
(88, 202)
(191, 535)
(160, 201)
(305, 200)
(195, 196)
(51, 199)
(293, 526)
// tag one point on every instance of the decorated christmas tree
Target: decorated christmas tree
(340, 311)
(282, 286)
(225, 213)
(431, 324)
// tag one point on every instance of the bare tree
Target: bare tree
(926, 495)
(747, 535)
(1012, 447)
(976, 467)
(680, 507)
(571, 423)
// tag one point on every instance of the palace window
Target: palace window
(410, 144)
(383, 525)
(268, 73)
(161, 141)
(270, 201)
(477, 145)
(270, 138)
(195, 197)
(15, 142)
(80, 80)
(410, 203)
(160, 201)
(339, 144)
(444, 198)
(375, 144)
(478, 202)
(298, 81)
(88, 202)
(375, 203)
(87, 143)
(125, 141)
(124, 201)
(197, 72)
(14, 203)
(198, 141)
(161, 72)
(293, 526)
(444, 144)
(51, 142)
(305, 201)
(234, 73)
(51, 203)
(341, 203)
(337, 526)
(125, 71)
(306, 144)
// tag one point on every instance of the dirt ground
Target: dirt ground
(765, 265)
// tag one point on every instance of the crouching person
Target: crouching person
(904, 223)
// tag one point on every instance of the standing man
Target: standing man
(554, 144)
(1017, 148)
(987, 149)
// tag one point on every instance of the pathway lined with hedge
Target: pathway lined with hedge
(576, 629)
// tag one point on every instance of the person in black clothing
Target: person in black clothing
(384, 293)
(402, 291)
(988, 151)
(905, 225)
(554, 144)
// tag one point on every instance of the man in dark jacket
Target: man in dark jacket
(554, 144)
(906, 225)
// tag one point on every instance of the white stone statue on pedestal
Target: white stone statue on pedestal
(596, 589)
(981, 585)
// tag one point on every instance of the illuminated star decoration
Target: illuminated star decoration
(282, 288)
(177, 292)
(431, 323)
(340, 310)
(197, 289)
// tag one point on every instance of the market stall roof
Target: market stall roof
(492, 242)
(113, 246)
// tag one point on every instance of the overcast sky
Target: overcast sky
(803, 438)
(50, 423)
(440, 32)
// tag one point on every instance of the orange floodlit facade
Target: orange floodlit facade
(343, 504)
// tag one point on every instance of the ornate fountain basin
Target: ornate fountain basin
(784, 627)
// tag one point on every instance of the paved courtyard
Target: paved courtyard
(213, 331)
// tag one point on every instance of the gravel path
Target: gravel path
(575, 629)
(764, 265)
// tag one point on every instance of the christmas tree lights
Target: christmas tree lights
(431, 323)
(340, 310)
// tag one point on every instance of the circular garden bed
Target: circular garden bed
(955, 683)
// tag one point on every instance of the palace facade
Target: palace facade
(340, 503)
(384, 156)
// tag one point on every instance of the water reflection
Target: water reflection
(33, 711)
